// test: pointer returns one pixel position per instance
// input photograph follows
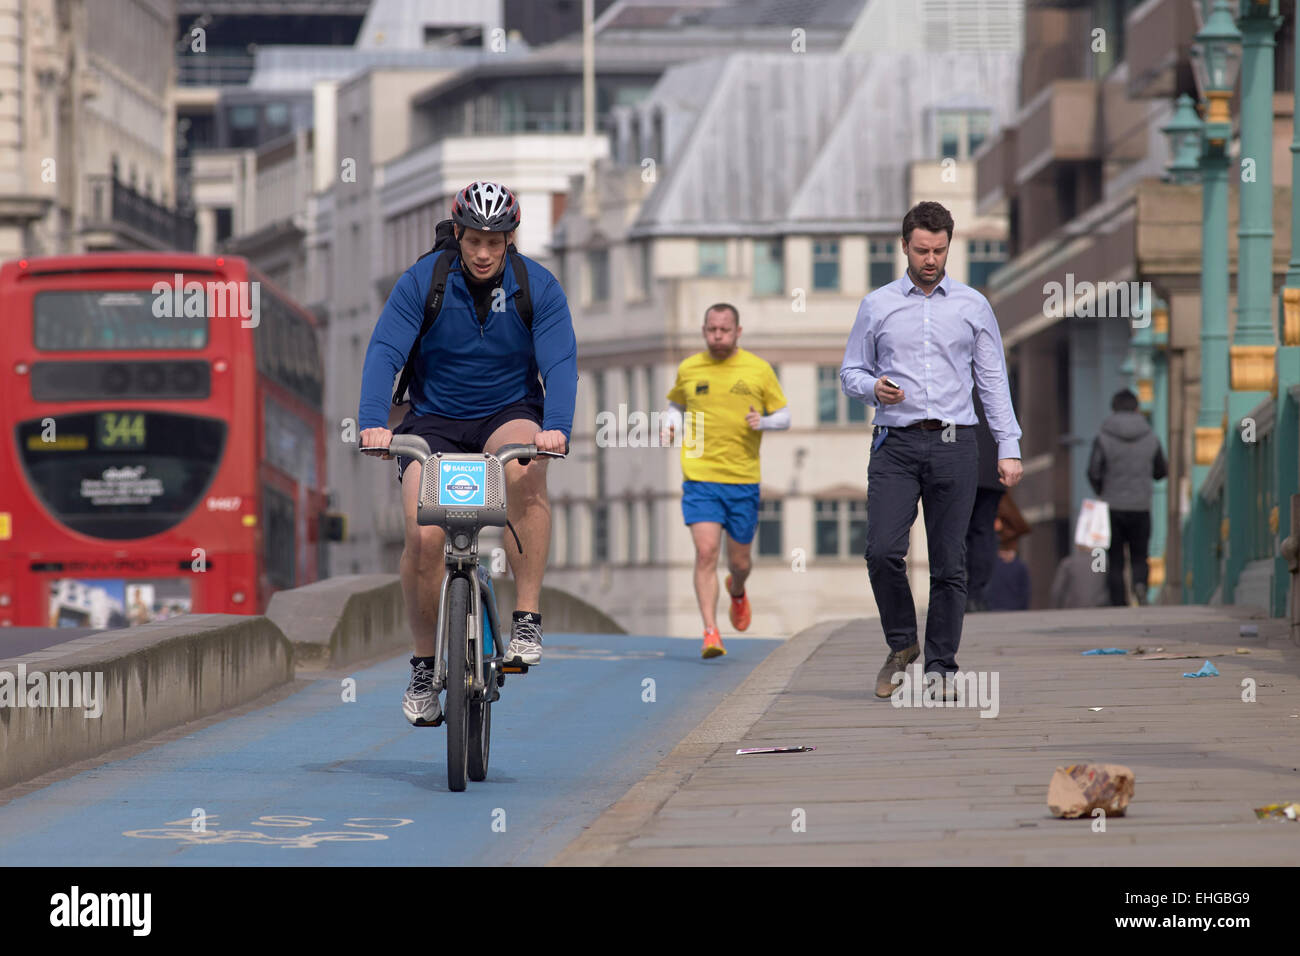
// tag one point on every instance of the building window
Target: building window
(598, 275)
(840, 528)
(769, 529)
(769, 267)
(826, 265)
(833, 406)
(638, 261)
(600, 534)
(880, 262)
(652, 531)
(598, 392)
(652, 399)
(960, 132)
(985, 255)
(225, 223)
(631, 532)
(949, 135)
(713, 257)
(827, 529)
(570, 537)
(857, 521)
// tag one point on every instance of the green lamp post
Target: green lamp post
(1286, 469)
(1215, 61)
(1251, 355)
(1184, 132)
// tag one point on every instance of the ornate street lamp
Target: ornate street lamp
(1216, 60)
(1184, 132)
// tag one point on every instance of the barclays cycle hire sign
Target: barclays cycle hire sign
(463, 484)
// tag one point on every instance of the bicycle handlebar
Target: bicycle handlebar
(413, 446)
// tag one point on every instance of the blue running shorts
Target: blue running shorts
(735, 507)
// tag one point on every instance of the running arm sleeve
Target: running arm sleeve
(673, 417)
(779, 420)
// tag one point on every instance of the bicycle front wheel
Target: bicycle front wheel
(458, 683)
(480, 738)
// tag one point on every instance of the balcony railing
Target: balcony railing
(114, 204)
(213, 69)
(1157, 49)
(1057, 125)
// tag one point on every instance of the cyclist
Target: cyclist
(722, 391)
(475, 387)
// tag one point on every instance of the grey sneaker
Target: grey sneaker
(1140, 592)
(525, 641)
(895, 662)
(420, 703)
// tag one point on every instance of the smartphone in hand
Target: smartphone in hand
(890, 382)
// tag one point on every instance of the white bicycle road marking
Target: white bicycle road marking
(184, 832)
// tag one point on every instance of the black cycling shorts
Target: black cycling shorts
(462, 434)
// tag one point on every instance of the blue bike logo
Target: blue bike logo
(461, 488)
(462, 484)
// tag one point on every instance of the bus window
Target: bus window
(121, 474)
(288, 352)
(103, 321)
(278, 537)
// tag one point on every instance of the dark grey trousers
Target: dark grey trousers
(909, 465)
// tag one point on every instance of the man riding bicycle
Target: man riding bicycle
(474, 388)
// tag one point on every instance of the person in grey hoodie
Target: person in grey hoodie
(1126, 459)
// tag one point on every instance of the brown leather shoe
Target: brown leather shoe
(895, 662)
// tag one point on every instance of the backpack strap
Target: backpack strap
(432, 306)
(524, 295)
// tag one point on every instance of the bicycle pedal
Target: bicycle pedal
(431, 723)
(514, 668)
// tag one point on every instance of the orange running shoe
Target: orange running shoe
(712, 644)
(739, 608)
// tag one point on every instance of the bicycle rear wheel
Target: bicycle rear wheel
(458, 683)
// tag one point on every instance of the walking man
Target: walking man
(1126, 459)
(729, 397)
(934, 339)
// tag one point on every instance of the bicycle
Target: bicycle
(462, 494)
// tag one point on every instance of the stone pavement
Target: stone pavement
(922, 786)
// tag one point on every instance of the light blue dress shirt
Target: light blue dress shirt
(930, 345)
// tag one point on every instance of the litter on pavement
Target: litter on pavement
(1278, 811)
(1106, 650)
(1207, 670)
(1079, 789)
(1094, 708)
(1249, 630)
(775, 750)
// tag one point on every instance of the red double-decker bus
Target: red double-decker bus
(163, 446)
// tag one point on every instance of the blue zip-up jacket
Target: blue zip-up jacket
(464, 370)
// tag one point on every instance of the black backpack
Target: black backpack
(444, 240)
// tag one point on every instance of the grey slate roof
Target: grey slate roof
(862, 169)
(787, 142)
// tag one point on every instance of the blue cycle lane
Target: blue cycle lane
(316, 780)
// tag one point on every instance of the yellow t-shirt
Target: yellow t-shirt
(717, 443)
